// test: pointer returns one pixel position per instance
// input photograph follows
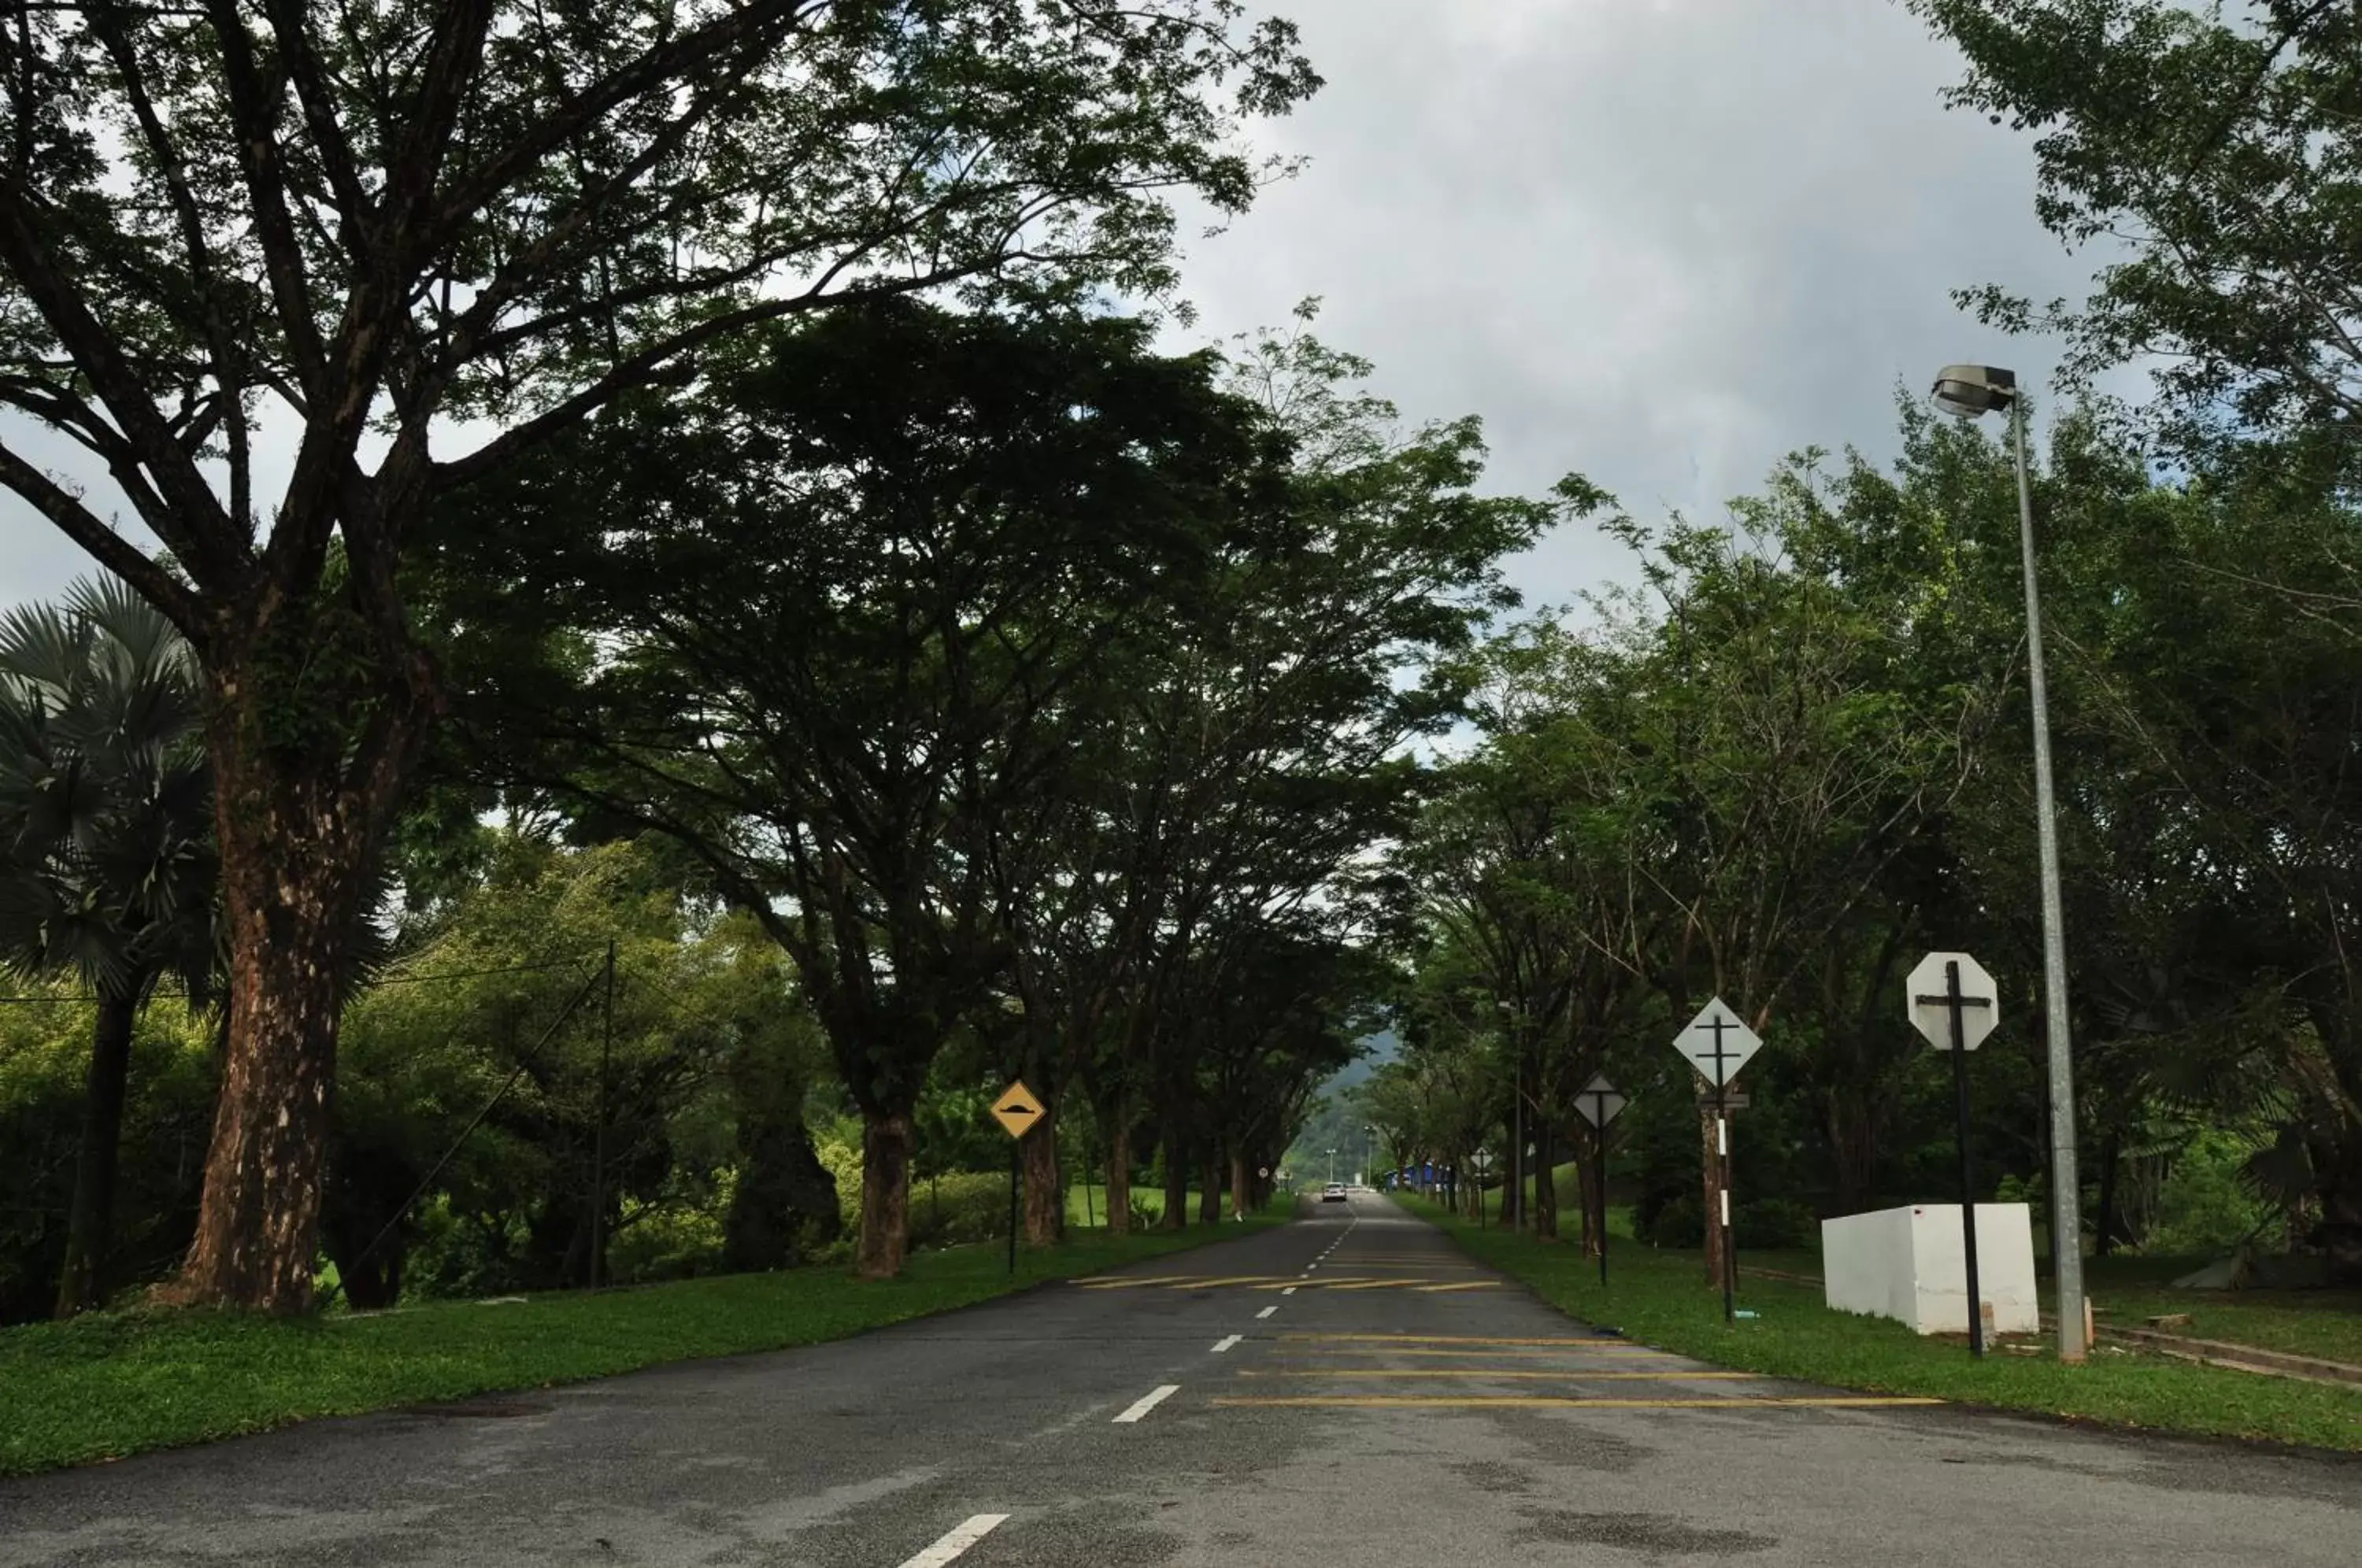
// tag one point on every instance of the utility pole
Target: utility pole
(599, 1137)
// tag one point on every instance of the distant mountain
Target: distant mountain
(1331, 1123)
(1377, 1050)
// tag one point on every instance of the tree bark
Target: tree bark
(885, 1140)
(1545, 1183)
(1176, 1184)
(1853, 1152)
(304, 781)
(1119, 1175)
(88, 1231)
(1045, 1195)
(1209, 1198)
(1239, 1191)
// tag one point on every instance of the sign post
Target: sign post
(1599, 1103)
(1717, 1044)
(1016, 1110)
(1952, 1001)
(1482, 1161)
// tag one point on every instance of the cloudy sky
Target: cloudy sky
(1660, 242)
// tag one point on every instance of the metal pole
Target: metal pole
(1599, 1102)
(2066, 1186)
(599, 1138)
(1968, 1179)
(1729, 1236)
(1013, 1145)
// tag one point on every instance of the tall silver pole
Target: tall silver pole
(2066, 1186)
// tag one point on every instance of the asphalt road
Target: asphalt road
(1347, 1389)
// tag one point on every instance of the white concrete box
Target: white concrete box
(1908, 1264)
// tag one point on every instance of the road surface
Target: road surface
(1349, 1389)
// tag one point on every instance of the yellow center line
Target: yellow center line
(1628, 1353)
(1120, 1281)
(1569, 1374)
(1369, 1284)
(1455, 1339)
(1326, 1282)
(1540, 1401)
(1191, 1282)
(1460, 1284)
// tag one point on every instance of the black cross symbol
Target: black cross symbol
(1718, 1022)
(1599, 1098)
(1953, 1001)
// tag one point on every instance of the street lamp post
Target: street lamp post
(1969, 391)
(1332, 1165)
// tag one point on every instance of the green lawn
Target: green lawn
(114, 1383)
(1662, 1298)
(2127, 1291)
(1151, 1199)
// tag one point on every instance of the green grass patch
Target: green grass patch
(2127, 1293)
(1662, 1298)
(113, 1384)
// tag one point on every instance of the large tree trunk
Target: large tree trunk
(304, 781)
(1240, 1189)
(1176, 1184)
(1545, 1184)
(1046, 1194)
(90, 1226)
(1853, 1132)
(884, 1193)
(1209, 1198)
(1119, 1175)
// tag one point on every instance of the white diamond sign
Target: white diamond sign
(1599, 1102)
(1717, 1043)
(1929, 998)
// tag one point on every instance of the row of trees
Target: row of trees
(1797, 759)
(426, 243)
(1033, 699)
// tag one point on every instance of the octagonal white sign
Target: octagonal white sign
(1927, 1000)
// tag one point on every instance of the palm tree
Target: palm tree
(107, 868)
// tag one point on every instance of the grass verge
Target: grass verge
(1662, 1299)
(114, 1383)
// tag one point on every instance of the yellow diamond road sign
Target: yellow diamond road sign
(1017, 1110)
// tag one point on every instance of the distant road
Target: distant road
(1347, 1391)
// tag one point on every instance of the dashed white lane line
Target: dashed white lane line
(1289, 1291)
(1147, 1402)
(1267, 1311)
(1223, 1345)
(957, 1542)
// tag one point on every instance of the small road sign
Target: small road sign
(1598, 1103)
(1717, 1043)
(1729, 1100)
(1955, 1004)
(1017, 1110)
(1263, 1172)
(1929, 995)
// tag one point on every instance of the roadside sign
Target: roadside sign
(1930, 1000)
(1717, 1043)
(1263, 1172)
(1729, 1100)
(1951, 1000)
(1017, 1110)
(1599, 1102)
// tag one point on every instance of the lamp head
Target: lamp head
(1968, 391)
